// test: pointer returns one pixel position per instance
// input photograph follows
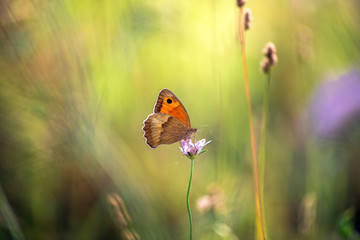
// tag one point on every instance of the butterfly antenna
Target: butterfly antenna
(201, 126)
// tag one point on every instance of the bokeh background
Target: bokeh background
(77, 79)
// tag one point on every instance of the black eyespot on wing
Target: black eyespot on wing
(169, 100)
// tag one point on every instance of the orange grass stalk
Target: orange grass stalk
(259, 217)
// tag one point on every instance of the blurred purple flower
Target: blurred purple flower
(192, 150)
(335, 102)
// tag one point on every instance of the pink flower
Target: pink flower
(191, 150)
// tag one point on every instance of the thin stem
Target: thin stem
(188, 195)
(262, 150)
(252, 134)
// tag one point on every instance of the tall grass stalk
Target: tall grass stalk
(262, 147)
(259, 218)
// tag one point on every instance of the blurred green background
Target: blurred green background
(77, 79)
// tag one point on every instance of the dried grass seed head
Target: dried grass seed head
(270, 59)
(248, 18)
(265, 65)
(241, 3)
(273, 59)
(269, 49)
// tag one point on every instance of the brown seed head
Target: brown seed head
(265, 65)
(241, 3)
(269, 49)
(248, 17)
(270, 59)
(274, 59)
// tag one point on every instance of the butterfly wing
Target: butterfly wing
(163, 128)
(168, 103)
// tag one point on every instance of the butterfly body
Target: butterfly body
(169, 123)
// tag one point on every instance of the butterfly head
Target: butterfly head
(191, 133)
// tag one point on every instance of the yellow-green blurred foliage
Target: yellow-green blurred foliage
(77, 79)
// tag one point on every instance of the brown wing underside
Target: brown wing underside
(174, 107)
(162, 128)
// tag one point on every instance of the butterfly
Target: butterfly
(169, 123)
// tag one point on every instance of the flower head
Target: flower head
(191, 150)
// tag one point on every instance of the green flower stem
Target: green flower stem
(262, 148)
(187, 197)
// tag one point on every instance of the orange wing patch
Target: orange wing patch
(168, 103)
(175, 109)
